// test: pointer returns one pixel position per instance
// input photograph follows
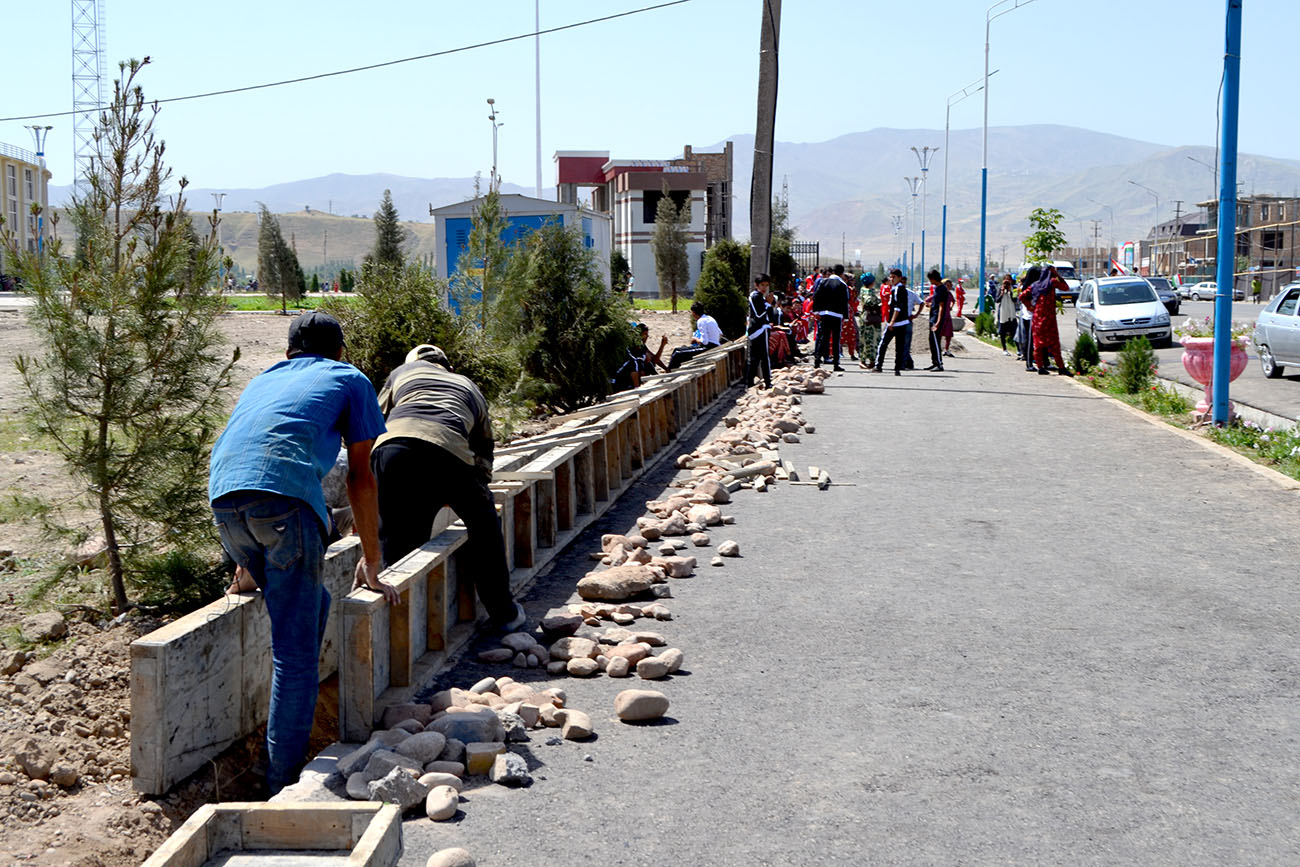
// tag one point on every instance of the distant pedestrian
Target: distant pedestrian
(1006, 312)
(831, 304)
(960, 294)
(1039, 291)
(870, 327)
(940, 313)
(1024, 328)
(1256, 288)
(896, 325)
(758, 324)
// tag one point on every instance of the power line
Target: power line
(371, 66)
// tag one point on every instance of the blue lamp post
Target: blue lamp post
(39, 133)
(992, 13)
(1226, 264)
(968, 90)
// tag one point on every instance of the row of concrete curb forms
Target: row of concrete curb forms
(202, 683)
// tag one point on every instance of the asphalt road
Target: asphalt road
(1280, 397)
(980, 648)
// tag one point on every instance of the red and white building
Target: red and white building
(630, 191)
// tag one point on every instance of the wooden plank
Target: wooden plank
(188, 845)
(435, 626)
(544, 508)
(296, 826)
(565, 505)
(381, 844)
(600, 470)
(584, 483)
(525, 530)
(357, 677)
(460, 571)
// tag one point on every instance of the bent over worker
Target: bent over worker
(265, 488)
(438, 452)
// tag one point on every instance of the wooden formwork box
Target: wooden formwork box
(383, 644)
(203, 681)
(370, 832)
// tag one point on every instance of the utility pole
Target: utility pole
(325, 252)
(1096, 242)
(1178, 214)
(760, 190)
(537, 71)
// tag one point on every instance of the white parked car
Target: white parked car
(1113, 309)
(1206, 290)
(1277, 332)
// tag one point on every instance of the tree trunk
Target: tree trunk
(674, 296)
(115, 571)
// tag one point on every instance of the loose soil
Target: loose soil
(70, 702)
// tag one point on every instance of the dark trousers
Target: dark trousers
(683, 354)
(898, 334)
(828, 339)
(759, 361)
(936, 352)
(416, 479)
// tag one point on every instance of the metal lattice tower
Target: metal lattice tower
(89, 75)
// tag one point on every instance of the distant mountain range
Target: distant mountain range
(850, 186)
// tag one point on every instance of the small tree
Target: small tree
(390, 237)
(722, 286)
(277, 263)
(668, 241)
(619, 269)
(1046, 238)
(482, 267)
(571, 333)
(129, 381)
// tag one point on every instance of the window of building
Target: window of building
(1263, 212)
(650, 203)
(1271, 240)
(31, 187)
(13, 214)
(12, 172)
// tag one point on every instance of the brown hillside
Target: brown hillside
(349, 238)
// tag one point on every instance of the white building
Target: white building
(24, 181)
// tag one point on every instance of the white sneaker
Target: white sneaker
(1004, 352)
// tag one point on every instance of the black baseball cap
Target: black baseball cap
(315, 333)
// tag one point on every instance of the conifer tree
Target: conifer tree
(668, 241)
(278, 269)
(128, 382)
(389, 235)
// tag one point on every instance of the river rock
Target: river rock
(436, 778)
(497, 655)
(654, 639)
(356, 760)
(651, 668)
(636, 705)
(398, 787)
(561, 623)
(470, 726)
(714, 490)
(617, 583)
(573, 648)
(358, 787)
(510, 769)
(633, 653)
(441, 804)
(729, 548)
(454, 751)
(651, 532)
(393, 714)
(456, 769)
(700, 540)
(455, 857)
(618, 667)
(673, 525)
(486, 685)
(676, 567)
(716, 561)
(673, 658)
(410, 726)
(384, 761)
(582, 667)
(704, 515)
(424, 747)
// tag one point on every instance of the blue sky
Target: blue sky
(641, 86)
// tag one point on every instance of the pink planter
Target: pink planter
(1198, 360)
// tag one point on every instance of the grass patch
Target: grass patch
(17, 506)
(17, 436)
(661, 304)
(270, 304)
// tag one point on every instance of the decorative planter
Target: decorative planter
(1198, 360)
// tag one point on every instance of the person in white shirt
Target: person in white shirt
(707, 335)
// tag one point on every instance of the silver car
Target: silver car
(1113, 309)
(1277, 332)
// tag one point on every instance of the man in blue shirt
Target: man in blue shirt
(265, 488)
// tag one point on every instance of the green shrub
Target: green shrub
(985, 325)
(1137, 366)
(571, 333)
(180, 580)
(719, 292)
(1085, 355)
(1162, 400)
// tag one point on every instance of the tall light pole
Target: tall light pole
(1110, 211)
(496, 125)
(1155, 229)
(923, 156)
(913, 184)
(217, 200)
(968, 90)
(897, 221)
(1226, 265)
(984, 160)
(39, 133)
(537, 60)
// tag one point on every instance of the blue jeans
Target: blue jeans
(278, 540)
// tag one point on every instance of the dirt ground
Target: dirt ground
(68, 704)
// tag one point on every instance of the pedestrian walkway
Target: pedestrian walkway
(1023, 627)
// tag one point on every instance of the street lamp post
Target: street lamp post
(1110, 211)
(984, 160)
(39, 133)
(1155, 229)
(897, 221)
(1225, 267)
(913, 184)
(218, 199)
(968, 90)
(496, 125)
(923, 156)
